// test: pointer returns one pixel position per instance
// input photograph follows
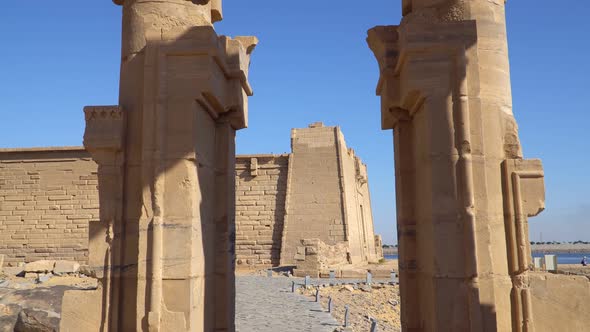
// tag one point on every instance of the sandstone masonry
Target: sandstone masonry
(49, 196)
(47, 199)
(261, 190)
(328, 197)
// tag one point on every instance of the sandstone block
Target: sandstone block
(81, 311)
(62, 267)
(40, 266)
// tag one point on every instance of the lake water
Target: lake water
(566, 258)
(561, 258)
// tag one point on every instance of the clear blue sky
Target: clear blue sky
(312, 64)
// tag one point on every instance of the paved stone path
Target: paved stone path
(267, 305)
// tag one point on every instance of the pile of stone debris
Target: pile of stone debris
(366, 303)
(31, 294)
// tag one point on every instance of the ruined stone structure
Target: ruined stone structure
(163, 246)
(463, 190)
(50, 196)
(328, 196)
(319, 192)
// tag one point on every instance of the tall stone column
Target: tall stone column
(183, 92)
(463, 191)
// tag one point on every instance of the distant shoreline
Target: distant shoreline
(389, 251)
(560, 248)
(536, 248)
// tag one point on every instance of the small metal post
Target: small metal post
(369, 278)
(307, 281)
(317, 294)
(393, 277)
(332, 276)
(292, 286)
(330, 304)
(373, 325)
(345, 316)
(269, 273)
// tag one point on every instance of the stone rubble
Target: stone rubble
(31, 301)
(378, 303)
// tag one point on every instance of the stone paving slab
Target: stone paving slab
(266, 304)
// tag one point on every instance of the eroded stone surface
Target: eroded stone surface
(30, 320)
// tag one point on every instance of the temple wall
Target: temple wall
(328, 197)
(261, 188)
(47, 198)
(359, 218)
(314, 204)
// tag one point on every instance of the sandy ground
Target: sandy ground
(381, 302)
(385, 265)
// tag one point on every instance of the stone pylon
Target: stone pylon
(164, 247)
(463, 190)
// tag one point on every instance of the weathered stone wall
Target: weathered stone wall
(357, 201)
(314, 203)
(47, 198)
(328, 196)
(261, 188)
(314, 257)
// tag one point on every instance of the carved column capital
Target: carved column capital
(226, 97)
(216, 7)
(105, 133)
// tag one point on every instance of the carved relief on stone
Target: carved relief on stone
(105, 127)
(224, 60)
(253, 167)
(524, 196)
